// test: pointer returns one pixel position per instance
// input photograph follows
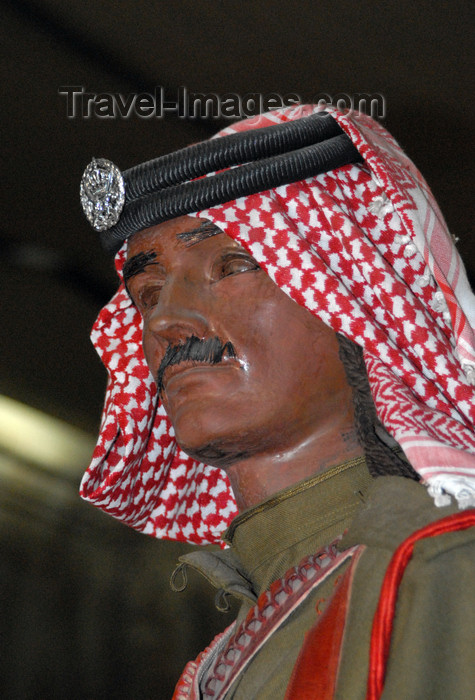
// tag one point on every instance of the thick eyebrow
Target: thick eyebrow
(137, 264)
(196, 235)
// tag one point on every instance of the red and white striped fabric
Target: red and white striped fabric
(365, 249)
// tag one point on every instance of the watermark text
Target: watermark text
(81, 104)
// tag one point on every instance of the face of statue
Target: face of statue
(285, 381)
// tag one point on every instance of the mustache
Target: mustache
(209, 351)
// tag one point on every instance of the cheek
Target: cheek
(263, 326)
(249, 322)
(290, 346)
(152, 352)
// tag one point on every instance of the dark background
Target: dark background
(85, 609)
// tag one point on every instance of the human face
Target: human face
(285, 381)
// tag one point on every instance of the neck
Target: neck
(259, 477)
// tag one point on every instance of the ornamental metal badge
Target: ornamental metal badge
(102, 193)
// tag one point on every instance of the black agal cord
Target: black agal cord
(164, 188)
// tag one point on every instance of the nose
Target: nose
(182, 311)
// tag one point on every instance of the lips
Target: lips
(176, 372)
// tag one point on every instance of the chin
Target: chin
(208, 447)
(208, 437)
(218, 453)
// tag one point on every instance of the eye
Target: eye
(148, 296)
(235, 263)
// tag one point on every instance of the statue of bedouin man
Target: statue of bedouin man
(291, 364)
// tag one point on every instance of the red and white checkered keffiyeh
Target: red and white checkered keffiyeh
(365, 249)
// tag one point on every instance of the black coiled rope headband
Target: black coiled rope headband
(120, 204)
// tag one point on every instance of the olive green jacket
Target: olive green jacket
(432, 644)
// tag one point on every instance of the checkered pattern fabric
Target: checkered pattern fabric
(365, 248)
